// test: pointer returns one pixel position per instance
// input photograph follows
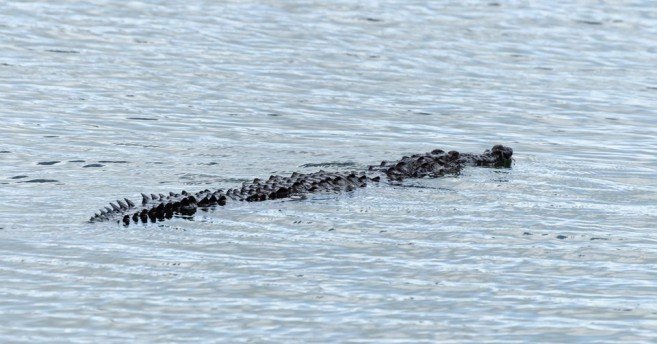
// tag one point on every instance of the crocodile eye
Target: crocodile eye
(453, 155)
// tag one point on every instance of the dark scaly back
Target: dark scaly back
(438, 163)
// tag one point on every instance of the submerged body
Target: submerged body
(434, 164)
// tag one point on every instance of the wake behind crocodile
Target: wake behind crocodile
(434, 164)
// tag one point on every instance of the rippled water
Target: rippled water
(106, 99)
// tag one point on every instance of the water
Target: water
(102, 100)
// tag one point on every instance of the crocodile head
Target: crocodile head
(501, 156)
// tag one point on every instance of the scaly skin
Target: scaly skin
(434, 164)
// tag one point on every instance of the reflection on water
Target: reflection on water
(105, 100)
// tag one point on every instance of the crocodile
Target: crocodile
(436, 163)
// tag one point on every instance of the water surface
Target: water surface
(102, 100)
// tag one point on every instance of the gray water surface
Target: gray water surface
(101, 100)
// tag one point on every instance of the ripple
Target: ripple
(41, 181)
(337, 164)
(60, 51)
